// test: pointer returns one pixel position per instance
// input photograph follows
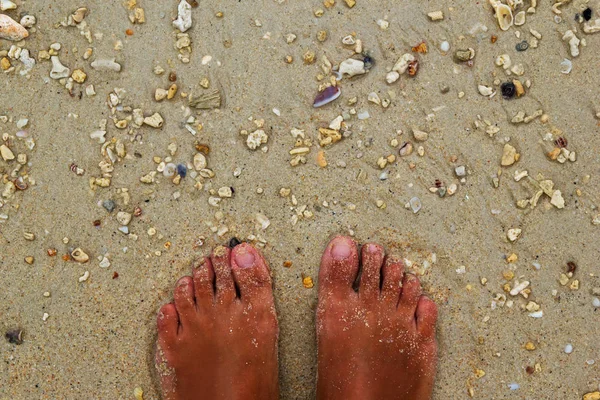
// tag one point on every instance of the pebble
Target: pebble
(155, 120)
(184, 16)
(84, 277)
(109, 205)
(352, 67)
(106, 65)
(513, 234)
(509, 155)
(58, 71)
(104, 263)
(596, 302)
(420, 136)
(11, 29)
(256, 139)
(6, 153)
(124, 218)
(415, 204)
(436, 15)
(445, 46)
(80, 256)
(460, 171)
(7, 5)
(569, 348)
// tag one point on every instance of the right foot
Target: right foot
(377, 342)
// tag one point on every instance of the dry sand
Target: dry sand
(98, 339)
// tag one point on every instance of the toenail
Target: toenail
(244, 259)
(341, 250)
(371, 248)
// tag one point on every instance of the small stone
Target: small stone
(591, 396)
(199, 161)
(79, 76)
(155, 120)
(307, 282)
(160, 94)
(256, 139)
(529, 346)
(415, 204)
(6, 153)
(225, 192)
(109, 205)
(14, 336)
(514, 234)
(460, 171)
(436, 15)
(29, 260)
(124, 218)
(509, 155)
(104, 263)
(80, 256)
(557, 199)
(569, 348)
(420, 136)
(172, 91)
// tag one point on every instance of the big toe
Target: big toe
(339, 267)
(250, 273)
(426, 317)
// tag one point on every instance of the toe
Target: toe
(185, 299)
(204, 279)
(411, 292)
(426, 317)
(372, 260)
(339, 267)
(167, 322)
(221, 263)
(393, 270)
(250, 272)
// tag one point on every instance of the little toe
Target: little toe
(372, 259)
(221, 263)
(167, 322)
(409, 298)
(204, 280)
(426, 316)
(339, 267)
(250, 272)
(185, 299)
(393, 271)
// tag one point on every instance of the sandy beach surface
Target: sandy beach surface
(509, 252)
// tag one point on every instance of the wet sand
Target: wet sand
(98, 339)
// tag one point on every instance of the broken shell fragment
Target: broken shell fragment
(155, 120)
(58, 71)
(327, 96)
(184, 17)
(106, 65)
(11, 29)
(7, 5)
(79, 15)
(403, 63)
(352, 67)
(503, 14)
(79, 255)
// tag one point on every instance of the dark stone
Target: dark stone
(508, 90)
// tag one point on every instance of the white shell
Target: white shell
(352, 67)
(7, 5)
(184, 17)
(504, 15)
(58, 71)
(11, 29)
(106, 65)
(402, 64)
(520, 18)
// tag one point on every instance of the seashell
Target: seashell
(106, 65)
(504, 15)
(58, 71)
(11, 29)
(79, 15)
(520, 18)
(184, 17)
(327, 96)
(352, 67)
(403, 62)
(28, 21)
(7, 5)
(566, 66)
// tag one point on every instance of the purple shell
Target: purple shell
(327, 96)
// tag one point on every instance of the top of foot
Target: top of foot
(377, 342)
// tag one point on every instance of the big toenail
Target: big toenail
(244, 259)
(341, 250)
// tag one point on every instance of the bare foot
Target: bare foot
(214, 343)
(377, 343)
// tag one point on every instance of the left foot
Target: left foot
(214, 343)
